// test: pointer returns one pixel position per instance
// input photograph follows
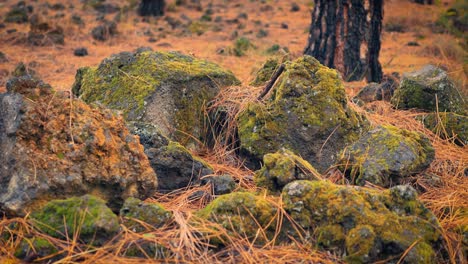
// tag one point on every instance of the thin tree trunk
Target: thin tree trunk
(374, 73)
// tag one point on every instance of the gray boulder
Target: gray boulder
(448, 125)
(428, 89)
(165, 89)
(306, 112)
(385, 156)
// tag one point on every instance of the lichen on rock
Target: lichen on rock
(87, 217)
(49, 154)
(364, 225)
(166, 89)
(429, 89)
(281, 168)
(244, 214)
(306, 113)
(385, 156)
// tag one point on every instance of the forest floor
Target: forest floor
(264, 27)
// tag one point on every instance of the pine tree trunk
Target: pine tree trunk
(374, 73)
(151, 8)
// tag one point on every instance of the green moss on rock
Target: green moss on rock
(86, 216)
(149, 213)
(244, 214)
(167, 89)
(36, 246)
(428, 89)
(370, 225)
(281, 168)
(448, 125)
(386, 155)
(306, 113)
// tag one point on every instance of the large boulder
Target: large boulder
(87, 217)
(448, 125)
(307, 113)
(48, 154)
(281, 168)
(175, 166)
(364, 225)
(385, 156)
(428, 89)
(166, 89)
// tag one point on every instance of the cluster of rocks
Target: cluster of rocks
(57, 147)
(430, 90)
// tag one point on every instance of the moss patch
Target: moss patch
(163, 88)
(244, 214)
(369, 225)
(306, 113)
(86, 216)
(281, 168)
(448, 125)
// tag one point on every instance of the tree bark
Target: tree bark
(151, 8)
(374, 73)
(338, 32)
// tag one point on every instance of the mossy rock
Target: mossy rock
(242, 214)
(88, 217)
(386, 155)
(281, 168)
(176, 167)
(264, 74)
(135, 210)
(365, 225)
(35, 247)
(307, 113)
(448, 125)
(428, 89)
(166, 89)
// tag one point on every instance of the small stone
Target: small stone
(222, 184)
(284, 25)
(295, 7)
(80, 52)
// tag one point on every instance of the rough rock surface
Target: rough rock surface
(175, 166)
(306, 113)
(386, 155)
(221, 184)
(149, 213)
(242, 213)
(48, 154)
(166, 89)
(428, 89)
(378, 91)
(264, 74)
(281, 168)
(448, 125)
(86, 216)
(364, 225)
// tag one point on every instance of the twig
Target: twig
(271, 82)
